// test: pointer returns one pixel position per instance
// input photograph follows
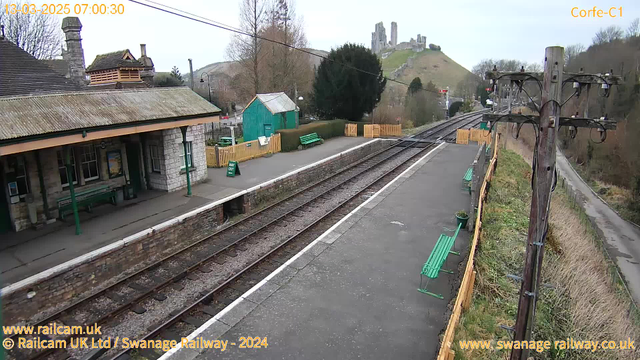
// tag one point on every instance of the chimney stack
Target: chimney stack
(149, 71)
(143, 50)
(74, 55)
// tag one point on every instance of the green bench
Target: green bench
(466, 179)
(86, 199)
(436, 260)
(310, 139)
(225, 141)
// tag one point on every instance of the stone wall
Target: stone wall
(174, 164)
(306, 177)
(95, 272)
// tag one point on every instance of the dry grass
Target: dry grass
(587, 301)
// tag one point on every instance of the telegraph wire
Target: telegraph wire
(217, 24)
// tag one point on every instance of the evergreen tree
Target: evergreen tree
(341, 91)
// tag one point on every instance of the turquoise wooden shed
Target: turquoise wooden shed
(267, 113)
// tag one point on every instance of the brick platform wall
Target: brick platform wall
(88, 277)
(306, 177)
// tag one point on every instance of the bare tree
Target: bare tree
(534, 67)
(286, 68)
(634, 28)
(608, 35)
(571, 52)
(38, 34)
(246, 49)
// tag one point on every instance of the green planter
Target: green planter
(462, 220)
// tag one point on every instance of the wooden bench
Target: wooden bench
(436, 260)
(86, 199)
(310, 139)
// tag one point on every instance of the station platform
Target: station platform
(30, 252)
(352, 293)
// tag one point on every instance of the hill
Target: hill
(429, 65)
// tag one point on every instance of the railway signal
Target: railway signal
(544, 169)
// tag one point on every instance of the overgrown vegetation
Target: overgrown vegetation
(585, 302)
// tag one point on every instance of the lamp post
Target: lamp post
(208, 82)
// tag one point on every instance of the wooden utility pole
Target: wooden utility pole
(543, 179)
(546, 126)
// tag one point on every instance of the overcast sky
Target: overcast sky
(467, 30)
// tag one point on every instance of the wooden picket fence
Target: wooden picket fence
(242, 152)
(350, 130)
(390, 130)
(465, 293)
(372, 131)
(463, 136)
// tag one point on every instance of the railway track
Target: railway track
(211, 273)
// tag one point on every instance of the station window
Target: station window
(62, 169)
(188, 155)
(89, 162)
(156, 157)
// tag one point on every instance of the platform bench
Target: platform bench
(466, 179)
(310, 139)
(86, 199)
(436, 260)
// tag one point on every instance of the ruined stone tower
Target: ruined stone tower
(394, 34)
(379, 39)
(74, 55)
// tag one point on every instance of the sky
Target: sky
(467, 30)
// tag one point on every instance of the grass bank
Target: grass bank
(586, 300)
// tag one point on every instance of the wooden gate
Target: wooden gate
(350, 130)
(372, 131)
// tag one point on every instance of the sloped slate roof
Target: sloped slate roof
(22, 74)
(60, 66)
(113, 60)
(25, 116)
(276, 102)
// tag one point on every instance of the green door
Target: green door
(268, 130)
(133, 161)
(5, 217)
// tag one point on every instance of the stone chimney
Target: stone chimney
(149, 71)
(74, 55)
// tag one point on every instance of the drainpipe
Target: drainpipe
(186, 160)
(72, 193)
(43, 189)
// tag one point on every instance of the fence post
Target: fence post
(467, 301)
(217, 153)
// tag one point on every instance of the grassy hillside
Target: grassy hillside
(428, 65)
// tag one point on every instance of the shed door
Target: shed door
(268, 130)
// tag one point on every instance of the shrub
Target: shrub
(290, 138)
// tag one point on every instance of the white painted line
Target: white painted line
(9, 289)
(275, 272)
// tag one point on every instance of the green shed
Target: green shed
(267, 113)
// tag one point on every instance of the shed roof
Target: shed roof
(22, 74)
(276, 102)
(25, 116)
(114, 60)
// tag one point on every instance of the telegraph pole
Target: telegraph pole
(544, 176)
(543, 180)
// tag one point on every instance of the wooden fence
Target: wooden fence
(372, 131)
(465, 293)
(390, 130)
(463, 136)
(242, 152)
(350, 130)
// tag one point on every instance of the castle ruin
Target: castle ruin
(379, 40)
